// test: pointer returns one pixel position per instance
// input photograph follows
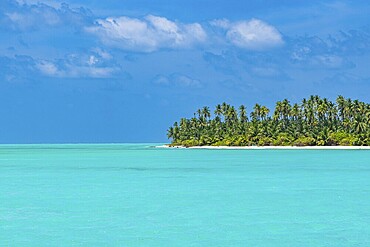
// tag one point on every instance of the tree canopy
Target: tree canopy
(313, 122)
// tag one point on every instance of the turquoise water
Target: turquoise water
(137, 195)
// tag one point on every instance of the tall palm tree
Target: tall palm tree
(243, 114)
(317, 118)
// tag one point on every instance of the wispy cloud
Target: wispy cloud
(52, 69)
(269, 72)
(176, 79)
(32, 15)
(93, 65)
(48, 68)
(54, 3)
(333, 52)
(147, 34)
(16, 69)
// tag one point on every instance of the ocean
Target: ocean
(139, 195)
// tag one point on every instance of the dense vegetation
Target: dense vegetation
(314, 122)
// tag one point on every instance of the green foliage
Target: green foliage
(305, 141)
(342, 139)
(315, 121)
(265, 141)
(190, 143)
(283, 139)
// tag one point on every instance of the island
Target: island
(315, 121)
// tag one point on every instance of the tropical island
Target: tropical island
(315, 121)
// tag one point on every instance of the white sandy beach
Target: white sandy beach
(275, 147)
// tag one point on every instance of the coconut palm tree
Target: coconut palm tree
(321, 121)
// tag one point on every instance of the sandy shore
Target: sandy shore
(276, 147)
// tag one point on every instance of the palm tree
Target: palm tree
(206, 112)
(170, 133)
(256, 114)
(264, 111)
(243, 114)
(341, 103)
(316, 118)
(218, 110)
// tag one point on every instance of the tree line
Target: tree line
(315, 121)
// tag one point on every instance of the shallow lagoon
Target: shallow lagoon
(138, 195)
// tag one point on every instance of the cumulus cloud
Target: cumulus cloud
(147, 34)
(142, 34)
(152, 33)
(250, 34)
(177, 80)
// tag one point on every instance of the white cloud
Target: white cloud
(326, 61)
(48, 68)
(221, 23)
(103, 54)
(53, 3)
(267, 72)
(31, 15)
(186, 80)
(177, 80)
(152, 33)
(91, 65)
(92, 60)
(161, 80)
(51, 69)
(91, 72)
(254, 35)
(148, 34)
(36, 16)
(251, 35)
(331, 61)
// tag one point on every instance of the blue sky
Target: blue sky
(123, 71)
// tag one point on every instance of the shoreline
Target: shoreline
(270, 147)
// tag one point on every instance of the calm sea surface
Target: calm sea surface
(137, 195)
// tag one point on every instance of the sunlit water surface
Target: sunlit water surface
(138, 195)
